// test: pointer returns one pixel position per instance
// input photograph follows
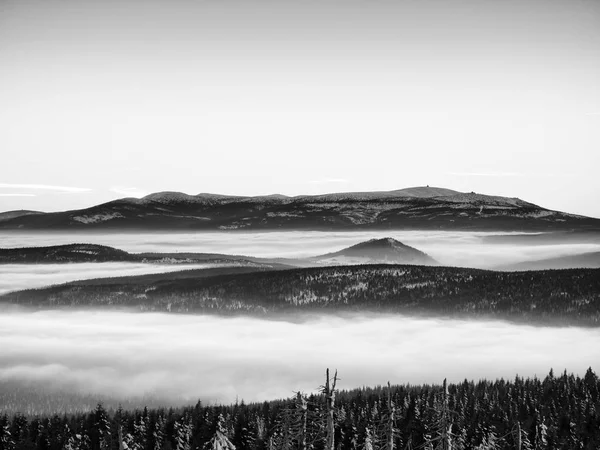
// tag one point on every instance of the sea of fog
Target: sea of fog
(15, 277)
(469, 249)
(217, 359)
(186, 357)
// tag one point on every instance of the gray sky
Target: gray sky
(107, 99)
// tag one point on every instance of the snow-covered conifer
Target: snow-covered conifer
(219, 441)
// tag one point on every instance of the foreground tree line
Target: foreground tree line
(570, 296)
(558, 412)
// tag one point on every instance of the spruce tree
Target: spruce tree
(219, 440)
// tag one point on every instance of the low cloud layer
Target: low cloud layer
(467, 249)
(219, 359)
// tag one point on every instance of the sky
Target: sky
(107, 99)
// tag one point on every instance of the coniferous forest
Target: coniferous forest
(560, 297)
(556, 412)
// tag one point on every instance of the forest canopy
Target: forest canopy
(556, 412)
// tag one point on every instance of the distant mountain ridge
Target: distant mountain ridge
(411, 208)
(414, 192)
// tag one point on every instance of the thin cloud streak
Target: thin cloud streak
(18, 195)
(44, 187)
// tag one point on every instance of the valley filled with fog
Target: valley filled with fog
(452, 248)
(186, 357)
(180, 357)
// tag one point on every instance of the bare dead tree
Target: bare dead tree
(298, 417)
(329, 391)
(446, 425)
(518, 440)
(119, 419)
(302, 406)
(443, 438)
(301, 424)
(390, 430)
(121, 446)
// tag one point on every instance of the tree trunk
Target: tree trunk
(303, 405)
(390, 425)
(330, 401)
(121, 446)
(446, 423)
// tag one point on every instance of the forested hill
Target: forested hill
(377, 251)
(374, 251)
(559, 297)
(556, 412)
(65, 253)
(80, 253)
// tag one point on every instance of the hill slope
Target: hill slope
(558, 297)
(64, 253)
(7, 215)
(80, 253)
(376, 251)
(411, 208)
(388, 250)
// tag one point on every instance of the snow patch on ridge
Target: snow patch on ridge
(479, 199)
(98, 218)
